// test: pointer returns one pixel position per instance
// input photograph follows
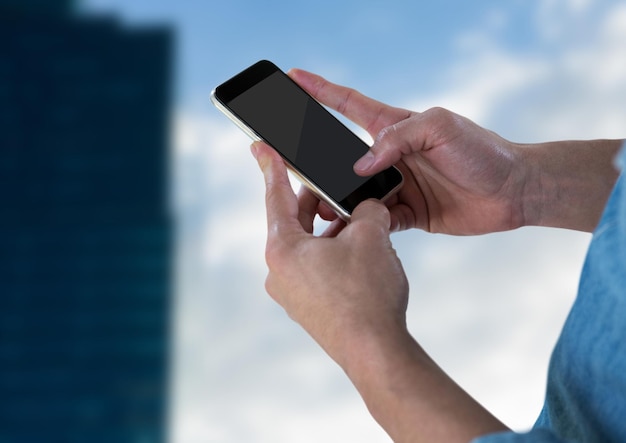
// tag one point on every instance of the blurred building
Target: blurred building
(84, 229)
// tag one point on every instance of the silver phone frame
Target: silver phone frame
(319, 193)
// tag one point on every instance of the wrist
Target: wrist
(383, 369)
(364, 348)
(567, 183)
(409, 395)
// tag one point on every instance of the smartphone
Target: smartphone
(319, 149)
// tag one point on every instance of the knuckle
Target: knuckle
(386, 135)
(395, 140)
(273, 256)
(442, 116)
(343, 104)
(280, 252)
(438, 112)
(273, 259)
(270, 285)
(388, 138)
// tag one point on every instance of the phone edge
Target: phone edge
(335, 206)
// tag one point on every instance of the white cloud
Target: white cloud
(482, 81)
(574, 90)
(558, 19)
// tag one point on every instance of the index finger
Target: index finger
(280, 201)
(366, 112)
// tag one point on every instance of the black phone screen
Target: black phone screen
(304, 132)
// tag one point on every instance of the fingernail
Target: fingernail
(364, 163)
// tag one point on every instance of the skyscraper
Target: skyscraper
(84, 229)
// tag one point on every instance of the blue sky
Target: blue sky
(406, 42)
(487, 308)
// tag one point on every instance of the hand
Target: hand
(348, 290)
(459, 178)
(336, 286)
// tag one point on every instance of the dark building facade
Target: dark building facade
(85, 235)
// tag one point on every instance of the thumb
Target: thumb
(372, 214)
(388, 148)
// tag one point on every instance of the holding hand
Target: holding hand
(336, 286)
(459, 177)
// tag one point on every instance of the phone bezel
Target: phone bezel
(256, 73)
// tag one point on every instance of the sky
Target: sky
(488, 309)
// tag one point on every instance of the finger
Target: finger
(281, 203)
(391, 143)
(326, 212)
(334, 228)
(422, 132)
(397, 213)
(308, 203)
(368, 113)
(403, 217)
(373, 213)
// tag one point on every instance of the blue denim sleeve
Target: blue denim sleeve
(537, 435)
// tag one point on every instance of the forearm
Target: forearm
(568, 182)
(410, 396)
